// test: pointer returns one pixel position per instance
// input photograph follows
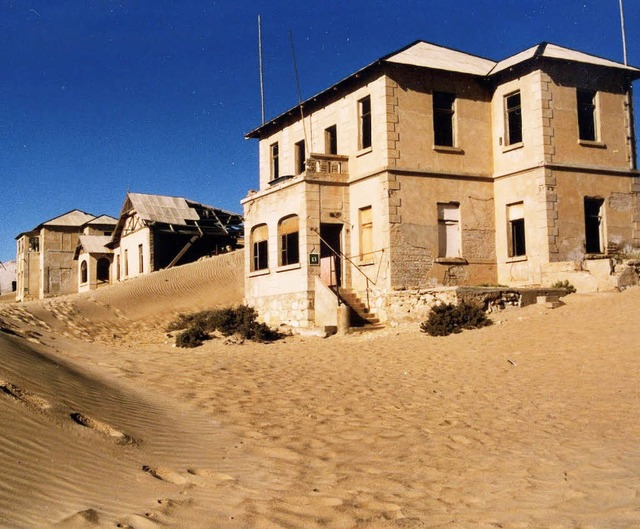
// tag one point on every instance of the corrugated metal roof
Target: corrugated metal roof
(158, 208)
(95, 243)
(72, 218)
(427, 55)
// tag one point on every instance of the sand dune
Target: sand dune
(530, 423)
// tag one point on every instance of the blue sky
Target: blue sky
(98, 97)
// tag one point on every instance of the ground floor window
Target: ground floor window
(83, 272)
(516, 231)
(288, 232)
(140, 259)
(259, 247)
(593, 224)
(449, 230)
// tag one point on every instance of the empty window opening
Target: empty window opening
(140, 259)
(275, 161)
(513, 118)
(516, 233)
(301, 157)
(366, 233)
(331, 140)
(449, 230)
(364, 111)
(84, 275)
(102, 270)
(587, 125)
(126, 263)
(443, 114)
(34, 244)
(288, 230)
(594, 224)
(260, 248)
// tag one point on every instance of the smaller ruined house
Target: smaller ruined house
(45, 264)
(156, 232)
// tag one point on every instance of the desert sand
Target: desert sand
(530, 423)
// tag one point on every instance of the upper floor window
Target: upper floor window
(34, 244)
(443, 124)
(274, 160)
(259, 247)
(364, 115)
(288, 231)
(300, 157)
(513, 118)
(331, 140)
(587, 124)
(449, 230)
(517, 245)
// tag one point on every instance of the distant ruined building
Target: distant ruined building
(433, 167)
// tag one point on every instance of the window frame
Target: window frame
(300, 157)
(140, 259)
(289, 241)
(516, 231)
(444, 118)
(259, 249)
(84, 272)
(365, 234)
(331, 140)
(274, 161)
(365, 125)
(587, 115)
(511, 138)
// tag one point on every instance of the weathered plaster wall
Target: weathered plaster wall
(59, 270)
(130, 243)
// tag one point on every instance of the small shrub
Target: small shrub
(448, 318)
(192, 337)
(566, 285)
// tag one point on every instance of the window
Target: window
(83, 272)
(34, 244)
(275, 162)
(301, 157)
(102, 270)
(126, 263)
(587, 126)
(364, 114)
(449, 230)
(443, 126)
(515, 217)
(259, 248)
(594, 225)
(513, 118)
(140, 259)
(365, 218)
(288, 231)
(331, 140)
(118, 267)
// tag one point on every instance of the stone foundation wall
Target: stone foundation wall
(294, 309)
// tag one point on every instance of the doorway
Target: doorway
(330, 254)
(593, 224)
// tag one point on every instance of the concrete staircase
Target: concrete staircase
(361, 315)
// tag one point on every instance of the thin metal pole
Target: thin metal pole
(624, 36)
(261, 75)
(295, 70)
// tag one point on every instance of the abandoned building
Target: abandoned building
(436, 167)
(155, 232)
(45, 264)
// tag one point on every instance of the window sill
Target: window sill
(257, 273)
(513, 147)
(286, 268)
(592, 144)
(517, 259)
(451, 260)
(366, 263)
(447, 149)
(362, 152)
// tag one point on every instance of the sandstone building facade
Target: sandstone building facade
(435, 167)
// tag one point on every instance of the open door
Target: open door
(330, 254)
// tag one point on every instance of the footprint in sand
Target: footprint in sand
(165, 474)
(104, 429)
(27, 398)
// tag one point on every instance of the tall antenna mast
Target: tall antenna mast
(261, 76)
(624, 36)
(295, 70)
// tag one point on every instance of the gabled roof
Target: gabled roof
(422, 54)
(93, 244)
(159, 208)
(73, 218)
(103, 220)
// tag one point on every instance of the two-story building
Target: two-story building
(435, 167)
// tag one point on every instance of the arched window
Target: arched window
(260, 247)
(288, 236)
(102, 270)
(83, 272)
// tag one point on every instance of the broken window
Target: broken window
(331, 140)
(513, 118)
(364, 115)
(594, 225)
(259, 247)
(516, 233)
(587, 125)
(288, 231)
(275, 161)
(365, 218)
(449, 230)
(443, 125)
(83, 272)
(301, 157)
